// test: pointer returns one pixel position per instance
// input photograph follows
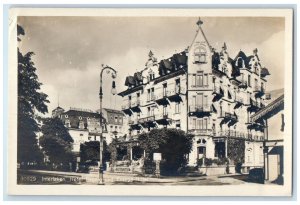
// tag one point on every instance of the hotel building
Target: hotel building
(203, 92)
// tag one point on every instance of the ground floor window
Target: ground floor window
(137, 152)
(121, 153)
(220, 149)
(201, 152)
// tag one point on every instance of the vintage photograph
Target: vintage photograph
(192, 100)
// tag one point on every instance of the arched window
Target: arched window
(200, 55)
(240, 63)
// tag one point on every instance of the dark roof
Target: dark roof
(82, 113)
(264, 72)
(114, 111)
(58, 108)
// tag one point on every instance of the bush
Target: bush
(209, 162)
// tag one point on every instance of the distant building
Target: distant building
(203, 92)
(114, 123)
(84, 124)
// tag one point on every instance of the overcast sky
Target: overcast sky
(70, 50)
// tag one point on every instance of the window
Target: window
(194, 123)
(205, 100)
(148, 94)
(249, 80)
(165, 89)
(66, 116)
(200, 55)
(165, 110)
(177, 86)
(152, 93)
(80, 134)
(177, 123)
(205, 124)
(152, 111)
(67, 123)
(199, 80)
(81, 125)
(205, 80)
(177, 107)
(148, 112)
(116, 119)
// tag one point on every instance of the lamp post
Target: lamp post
(113, 91)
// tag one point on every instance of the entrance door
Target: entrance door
(201, 152)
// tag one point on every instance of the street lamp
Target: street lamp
(113, 91)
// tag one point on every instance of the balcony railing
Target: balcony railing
(243, 84)
(200, 131)
(146, 119)
(228, 116)
(175, 93)
(135, 103)
(218, 93)
(240, 135)
(259, 91)
(200, 108)
(126, 105)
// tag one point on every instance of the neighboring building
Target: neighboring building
(84, 124)
(203, 92)
(273, 116)
(114, 123)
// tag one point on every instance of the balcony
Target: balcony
(239, 101)
(162, 97)
(135, 105)
(162, 119)
(229, 118)
(218, 93)
(205, 132)
(255, 126)
(134, 124)
(200, 110)
(147, 121)
(254, 105)
(126, 107)
(175, 93)
(243, 84)
(259, 91)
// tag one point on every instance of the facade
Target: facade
(273, 145)
(114, 124)
(203, 92)
(84, 124)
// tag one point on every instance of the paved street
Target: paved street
(55, 177)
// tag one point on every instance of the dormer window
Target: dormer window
(81, 125)
(151, 75)
(67, 123)
(200, 55)
(66, 116)
(80, 118)
(240, 63)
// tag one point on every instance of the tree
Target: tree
(30, 101)
(89, 151)
(174, 145)
(56, 141)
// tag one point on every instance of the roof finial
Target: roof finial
(255, 51)
(224, 46)
(199, 22)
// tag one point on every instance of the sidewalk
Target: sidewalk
(112, 178)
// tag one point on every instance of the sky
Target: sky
(69, 51)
